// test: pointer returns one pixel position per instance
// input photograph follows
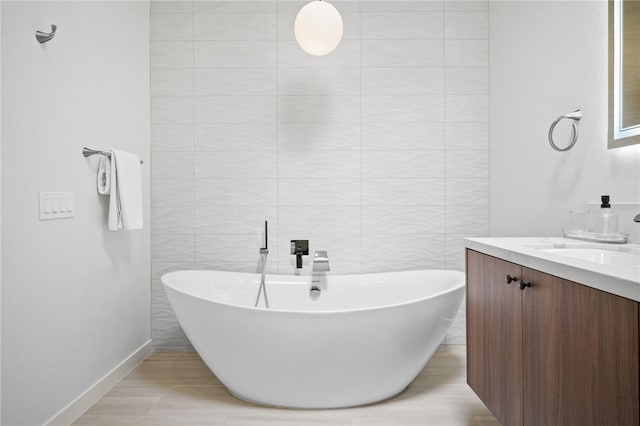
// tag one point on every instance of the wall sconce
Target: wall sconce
(318, 28)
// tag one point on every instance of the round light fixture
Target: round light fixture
(318, 28)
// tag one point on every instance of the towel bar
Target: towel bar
(88, 152)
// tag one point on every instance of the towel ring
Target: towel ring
(575, 116)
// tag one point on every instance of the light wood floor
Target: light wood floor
(176, 388)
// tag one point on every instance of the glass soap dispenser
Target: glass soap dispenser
(606, 221)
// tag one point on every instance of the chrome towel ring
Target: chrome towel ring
(575, 116)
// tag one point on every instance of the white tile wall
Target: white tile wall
(377, 152)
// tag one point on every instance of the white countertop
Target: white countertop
(620, 280)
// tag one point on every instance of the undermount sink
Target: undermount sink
(599, 255)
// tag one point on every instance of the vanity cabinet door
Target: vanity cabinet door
(494, 336)
(580, 354)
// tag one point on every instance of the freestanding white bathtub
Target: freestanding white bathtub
(363, 339)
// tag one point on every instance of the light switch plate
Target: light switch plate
(56, 205)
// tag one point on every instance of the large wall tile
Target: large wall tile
(172, 26)
(466, 25)
(304, 220)
(171, 54)
(472, 191)
(319, 136)
(402, 53)
(171, 192)
(318, 109)
(467, 136)
(467, 80)
(464, 220)
(403, 219)
(172, 137)
(235, 137)
(173, 220)
(403, 191)
(234, 54)
(235, 81)
(402, 164)
(466, 53)
(319, 192)
(321, 81)
(467, 108)
(234, 6)
(403, 81)
(235, 192)
(172, 248)
(402, 25)
(466, 6)
(318, 164)
(467, 164)
(173, 110)
(232, 221)
(414, 248)
(172, 165)
(169, 6)
(235, 26)
(172, 82)
(401, 5)
(416, 136)
(235, 109)
(235, 164)
(402, 108)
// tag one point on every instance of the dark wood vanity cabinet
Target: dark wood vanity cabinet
(556, 353)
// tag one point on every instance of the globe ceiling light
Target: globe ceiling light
(318, 28)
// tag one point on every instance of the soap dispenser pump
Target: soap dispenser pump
(606, 219)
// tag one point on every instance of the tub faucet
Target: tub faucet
(299, 248)
(637, 218)
(321, 261)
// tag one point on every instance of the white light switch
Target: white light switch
(56, 205)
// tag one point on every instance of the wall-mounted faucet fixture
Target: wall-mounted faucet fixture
(637, 218)
(321, 261)
(299, 248)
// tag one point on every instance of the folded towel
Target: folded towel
(125, 202)
(104, 175)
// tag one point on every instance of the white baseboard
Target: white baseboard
(83, 402)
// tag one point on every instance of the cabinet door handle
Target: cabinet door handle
(509, 279)
(524, 285)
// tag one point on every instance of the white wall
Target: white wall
(377, 152)
(0, 209)
(75, 297)
(547, 59)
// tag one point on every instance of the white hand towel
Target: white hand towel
(104, 176)
(125, 202)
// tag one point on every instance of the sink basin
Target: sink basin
(598, 255)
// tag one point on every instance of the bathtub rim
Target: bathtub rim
(462, 284)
